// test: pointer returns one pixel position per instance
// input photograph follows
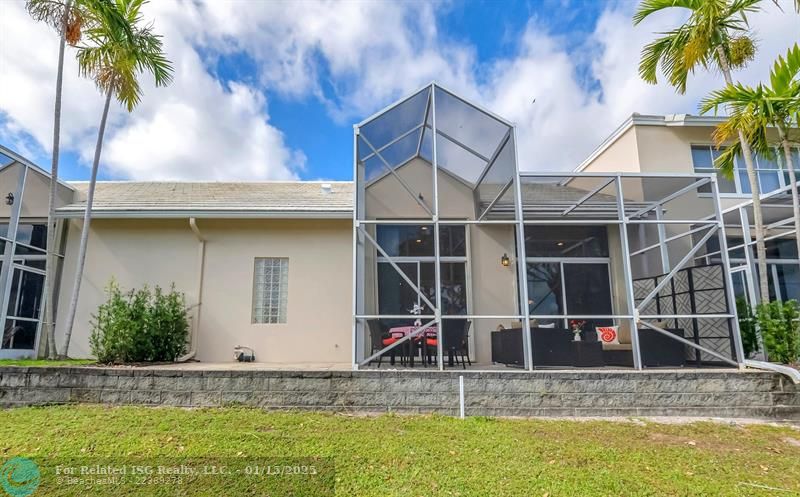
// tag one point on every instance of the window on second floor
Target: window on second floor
(770, 172)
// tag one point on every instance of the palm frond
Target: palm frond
(71, 17)
(49, 11)
(740, 8)
(652, 54)
(713, 26)
(121, 49)
(796, 5)
(737, 97)
(649, 7)
(725, 161)
(785, 71)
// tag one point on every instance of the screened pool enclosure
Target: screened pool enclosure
(462, 260)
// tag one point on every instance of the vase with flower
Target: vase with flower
(577, 327)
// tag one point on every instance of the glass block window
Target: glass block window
(270, 290)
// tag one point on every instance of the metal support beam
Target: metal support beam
(671, 221)
(437, 271)
(778, 224)
(384, 147)
(630, 299)
(358, 258)
(424, 120)
(662, 241)
(389, 168)
(587, 196)
(494, 157)
(686, 316)
(672, 196)
(463, 145)
(667, 240)
(668, 277)
(522, 261)
(726, 269)
(496, 199)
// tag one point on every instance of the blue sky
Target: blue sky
(270, 90)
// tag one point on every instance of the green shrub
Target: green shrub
(780, 330)
(747, 327)
(140, 326)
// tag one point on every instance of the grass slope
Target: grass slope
(422, 455)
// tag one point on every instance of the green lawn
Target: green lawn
(45, 362)
(412, 455)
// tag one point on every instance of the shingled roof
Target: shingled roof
(277, 199)
(215, 199)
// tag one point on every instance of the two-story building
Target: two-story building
(682, 143)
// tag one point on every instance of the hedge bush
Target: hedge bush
(780, 329)
(747, 327)
(140, 326)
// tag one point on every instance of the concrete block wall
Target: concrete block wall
(541, 393)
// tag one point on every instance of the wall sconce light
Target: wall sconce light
(505, 261)
(10, 199)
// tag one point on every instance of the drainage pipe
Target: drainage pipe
(201, 259)
(792, 373)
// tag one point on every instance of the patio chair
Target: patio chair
(456, 340)
(380, 340)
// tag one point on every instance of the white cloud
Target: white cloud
(354, 57)
(197, 128)
(567, 121)
(375, 52)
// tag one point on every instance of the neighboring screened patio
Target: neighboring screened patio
(460, 259)
(782, 259)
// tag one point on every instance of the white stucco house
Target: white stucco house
(442, 249)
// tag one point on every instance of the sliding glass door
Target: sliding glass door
(569, 288)
(568, 274)
(587, 289)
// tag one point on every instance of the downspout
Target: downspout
(201, 258)
(792, 373)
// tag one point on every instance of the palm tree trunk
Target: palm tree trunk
(87, 219)
(758, 220)
(787, 152)
(50, 262)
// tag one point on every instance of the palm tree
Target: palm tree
(753, 110)
(120, 49)
(67, 18)
(716, 36)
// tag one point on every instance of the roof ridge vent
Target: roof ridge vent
(326, 188)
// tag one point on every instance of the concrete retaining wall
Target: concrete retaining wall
(684, 393)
